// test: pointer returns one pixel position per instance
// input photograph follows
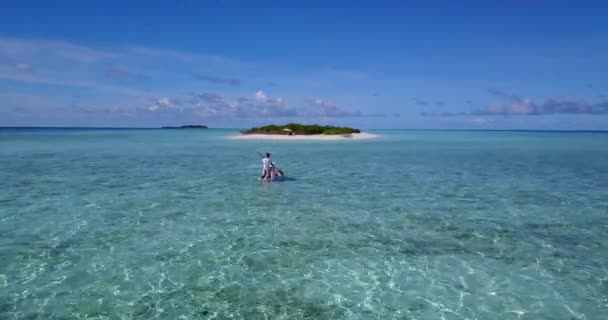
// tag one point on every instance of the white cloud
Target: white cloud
(326, 109)
(165, 102)
(260, 96)
(210, 105)
(481, 121)
(162, 103)
(526, 107)
(61, 63)
(18, 48)
(37, 79)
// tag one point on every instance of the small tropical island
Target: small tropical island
(300, 129)
(188, 127)
(296, 131)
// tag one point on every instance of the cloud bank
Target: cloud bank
(102, 81)
(213, 105)
(260, 105)
(518, 106)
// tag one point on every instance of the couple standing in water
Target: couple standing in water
(269, 170)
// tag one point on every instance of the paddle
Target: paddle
(278, 169)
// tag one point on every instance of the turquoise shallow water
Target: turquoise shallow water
(172, 224)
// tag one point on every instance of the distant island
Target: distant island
(187, 127)
(301, 129)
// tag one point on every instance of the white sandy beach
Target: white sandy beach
(353, 136)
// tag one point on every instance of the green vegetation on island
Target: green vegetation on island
(300, 129)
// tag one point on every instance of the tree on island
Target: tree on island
(300, 129)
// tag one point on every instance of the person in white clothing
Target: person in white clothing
(267, 167)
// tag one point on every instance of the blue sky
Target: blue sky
(370, 64)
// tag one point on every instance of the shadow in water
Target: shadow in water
(283, 179)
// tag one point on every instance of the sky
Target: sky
(531, 65)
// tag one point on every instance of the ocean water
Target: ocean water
(173, 224)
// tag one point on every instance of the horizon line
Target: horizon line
(240, 128)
